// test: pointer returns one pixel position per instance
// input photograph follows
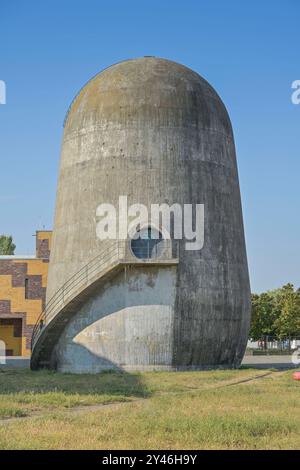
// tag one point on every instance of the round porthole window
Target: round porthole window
(147, 243)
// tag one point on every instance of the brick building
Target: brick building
(23, 281)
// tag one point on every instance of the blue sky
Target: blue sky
(249, 51)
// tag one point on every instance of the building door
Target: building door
(11, 335)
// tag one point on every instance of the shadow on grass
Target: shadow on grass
(112, 383)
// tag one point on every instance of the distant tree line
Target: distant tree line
(276, 314)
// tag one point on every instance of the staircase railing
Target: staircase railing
(113, 252)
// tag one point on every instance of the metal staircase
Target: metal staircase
(74, 293)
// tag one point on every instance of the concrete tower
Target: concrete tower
(155, 131)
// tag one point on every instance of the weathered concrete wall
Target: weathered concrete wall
(128, 324)
(156, 131)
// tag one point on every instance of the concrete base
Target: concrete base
(150, 368)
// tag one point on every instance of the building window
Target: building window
(147, 243)
(26, 288)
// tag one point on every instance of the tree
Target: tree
(288, 303)
(7, 247)
(264, 315)
(276, 314)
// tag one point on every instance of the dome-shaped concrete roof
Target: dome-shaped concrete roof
(137, 86)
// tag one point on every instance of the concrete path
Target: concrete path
(258, 362)
(15, 362)
(267, 362)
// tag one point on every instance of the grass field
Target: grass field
(235, 409)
